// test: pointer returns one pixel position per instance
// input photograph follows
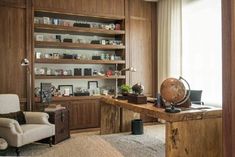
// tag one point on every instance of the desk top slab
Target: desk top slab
(150, 110)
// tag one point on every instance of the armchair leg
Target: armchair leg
(50, 141)
(17, 151)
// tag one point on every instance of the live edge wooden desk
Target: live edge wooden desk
(190, 133)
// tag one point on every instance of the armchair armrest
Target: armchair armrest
(37, 118)
(11, 124)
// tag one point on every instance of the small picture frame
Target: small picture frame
(67, 90)
(93, 85)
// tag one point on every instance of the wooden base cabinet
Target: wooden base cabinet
(83, 113)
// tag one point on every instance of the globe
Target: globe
(173, 90)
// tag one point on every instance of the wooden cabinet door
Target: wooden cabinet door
(84, 114)
(14, 46)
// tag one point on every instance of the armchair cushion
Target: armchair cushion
(36, 118)
(18, 116)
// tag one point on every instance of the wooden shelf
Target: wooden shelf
(79, 77)
(43, 12)
(58, 29)
(74, 61)
(71, 98)
(64, 45)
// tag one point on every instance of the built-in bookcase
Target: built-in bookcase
(64, 42)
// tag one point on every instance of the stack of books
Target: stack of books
(54, 107)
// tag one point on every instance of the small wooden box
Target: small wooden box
(137, 99)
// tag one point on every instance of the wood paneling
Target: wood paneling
(15, 44)
(228, 63)
(12, 50)
(88, 7)
(141, 44)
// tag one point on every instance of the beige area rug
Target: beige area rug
(151, 144)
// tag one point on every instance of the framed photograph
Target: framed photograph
(93, 85)
(66, 90)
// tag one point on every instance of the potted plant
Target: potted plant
(125, 89)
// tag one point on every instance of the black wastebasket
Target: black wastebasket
(137, 127)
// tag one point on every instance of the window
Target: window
(202, 48)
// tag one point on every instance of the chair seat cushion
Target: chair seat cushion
(35, 132)
(18, 116)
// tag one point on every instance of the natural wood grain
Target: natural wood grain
(190, 133)
(96, 8)
(110, 119)
(74, 61)
(79, 77)
(58, 45)
(126, 117)
(150, 110)
(57, 29)
(194, 138)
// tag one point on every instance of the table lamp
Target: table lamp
(117, 74)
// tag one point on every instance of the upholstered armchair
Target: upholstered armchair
(36, 128)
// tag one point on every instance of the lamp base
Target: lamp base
(172, 109)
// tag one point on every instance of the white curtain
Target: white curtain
(169, 39)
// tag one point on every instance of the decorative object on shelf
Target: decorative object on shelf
(86, 25)
(68, 56)
(95, 41)
(56, 56)
(55, 21)
(81, 92)
(46, 20)
(67, 72)
(117, 26)
(38, 55)
(39, 37)
(104, 92)
(93, 84)
(173, 91)
(66, 90)
(96, 57)
(58, 38)
(87, 72)
(67, 40)
(119, 73)
(46, 92)
(77, 72)
(109, 72)
(112, 57)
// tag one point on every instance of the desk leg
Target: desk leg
(194, 138)
(110, 119)
(126, 117)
